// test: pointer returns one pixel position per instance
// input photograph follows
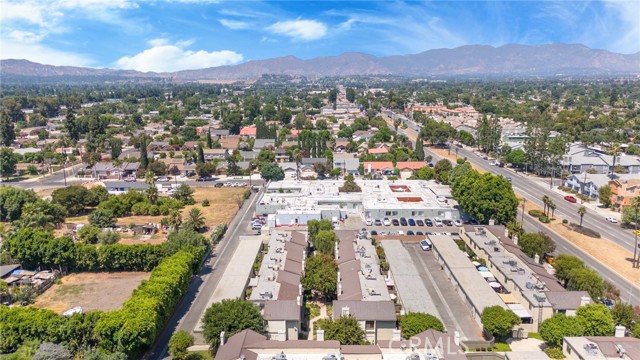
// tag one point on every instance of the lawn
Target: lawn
(91, 291)
(199, 355)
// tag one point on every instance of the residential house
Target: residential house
(121, 187)
(348, 162)
(160, 146)
(29, 150)
(378, 151)
(219, 133)
(288, 144)
(212, 154)
(230, 142)
(248, 131)
(341, 145)
(249, 155)
(105, 170)
(312, 161)
(307, 171)
(623, 192)
(23, 168)
(601, 347)
(589, 184)
(408, 168)
(290, 170)
(260, 144)
(281, 155)
(580, 159)
(378, 167)
(189, 145)
(365, 135)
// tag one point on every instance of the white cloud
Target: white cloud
(233, 24)
(166, 57)
(627, 36)
(12, 49)
(305, 30)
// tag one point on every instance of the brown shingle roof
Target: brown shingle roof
(285, 277)
(296, 344)
(366, 310)
(282, 310)
(566, 300)
(350, 280)
(232, 349)
(360, 349)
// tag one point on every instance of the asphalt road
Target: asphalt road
(193, 305)
(533, 191)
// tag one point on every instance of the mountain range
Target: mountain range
(469, 60)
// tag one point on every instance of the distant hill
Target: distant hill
(470, 60)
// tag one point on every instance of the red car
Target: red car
(570, 198)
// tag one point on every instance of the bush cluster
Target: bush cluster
(536, 213)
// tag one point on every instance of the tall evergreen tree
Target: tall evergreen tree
(209, 141)
(144, 159)
(7, 131)
(418, 153)
(200, 159)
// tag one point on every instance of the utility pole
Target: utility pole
(64, 169)
(635, 248)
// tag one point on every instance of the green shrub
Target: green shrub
(536, 213)
(544, 219)
(554, 352)
(565, 221)
(205, 202)
(89, 234)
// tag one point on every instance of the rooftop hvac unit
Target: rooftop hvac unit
(496, 249)
(431, 356)
(330, 357)
(540, 297)
(280, 356)
(520, 271)
(591, 348)
(413, 357)
(530, 285)
(266, 295)
(271, 277)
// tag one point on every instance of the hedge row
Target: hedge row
(130, 330)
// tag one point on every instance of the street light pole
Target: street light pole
(635, 248)
(524, 201)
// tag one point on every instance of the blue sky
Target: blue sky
(170, 35)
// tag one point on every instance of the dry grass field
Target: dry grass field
(91, 291)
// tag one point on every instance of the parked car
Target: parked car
(382, 233)
(386, 222)
(570, 199)
(374, 233)
(447, 222)
(162, 179)
(428, 222)
(419, 222)
(608, 303)
(457, 222)
(219, 184)
(425, 245)
(395, 222)
(369, 222)
(410, 233)
(419, 233)
(403, 221)
(377, 222)
(611, 219)
(412, 222)
(509, 178)
(400, 232)
(437, 222)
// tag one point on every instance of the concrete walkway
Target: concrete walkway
(323, 315)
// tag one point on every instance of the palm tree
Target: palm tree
(614, 151)
(152, 191)
(545, 201)
(552, 207)
(175, 219)
(195, 219)
(581, 211)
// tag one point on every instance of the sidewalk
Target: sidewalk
(323, 315)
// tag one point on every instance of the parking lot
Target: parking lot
(356, 223)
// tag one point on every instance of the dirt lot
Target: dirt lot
(91, 291)
(604, 250)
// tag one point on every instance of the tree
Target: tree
(545, 202)
(536, 244)
(345, 330)
(489, 132)
(486, 197)
(284, 116)
(7, 132)
(158, 168)
(184, 193)
(116, 147)
(325, 241)
(320, 275)
(604, 195)
(414, 323)
(200, 159)
(195, 220)
(425, 173)
(232, 122)
(351, 95)
(206, 169)
(89, 234)
(272, 172)
(178, 344)
(582, 211)
(230, 316)
(175, 220)
(349, 185)
(51, 351)
(554, 329)
(583, 279)
(333, 96)
(74, 198)
(144, 158)
(102, 218)
(8, 162)
(623, 314)
(418, 153)
(441, 170)
(209, 140)
(564, 264)
(499, 321)
(41, 213)
(597, 320)
(517, 158)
